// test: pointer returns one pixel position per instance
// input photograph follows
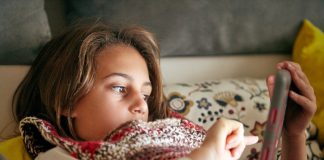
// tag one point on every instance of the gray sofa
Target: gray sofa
(206, 27)
(212, 29)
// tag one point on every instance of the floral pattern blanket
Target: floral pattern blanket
(162, 139)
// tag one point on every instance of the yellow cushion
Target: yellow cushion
(14, 149)
(309, 53)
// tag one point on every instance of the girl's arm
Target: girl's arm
(301, 107)
(224, 140)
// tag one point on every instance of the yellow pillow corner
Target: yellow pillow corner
(14, 148)
(308, 51)
(309, 43)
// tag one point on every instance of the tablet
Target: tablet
(276, 115)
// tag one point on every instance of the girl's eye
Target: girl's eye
(119, 89)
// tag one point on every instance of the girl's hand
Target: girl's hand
(301, 105)
(224, 140)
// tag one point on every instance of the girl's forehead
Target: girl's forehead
(123, 59)
(119, 51)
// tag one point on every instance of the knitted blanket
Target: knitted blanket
(162, 139)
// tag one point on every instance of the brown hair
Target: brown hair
(64, 71)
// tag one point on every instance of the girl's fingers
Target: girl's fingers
(294, 68)
(237, 151)
(221, 130)
(234, 138)
(307, 104)
(270, 83)
(298, 70)
(304, 88)
(236, 148)
(230, 137)
(299, 78)
(249, 140)
(235, 141)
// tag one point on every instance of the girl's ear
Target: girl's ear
(66, 113)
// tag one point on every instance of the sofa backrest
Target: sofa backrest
(209, 27)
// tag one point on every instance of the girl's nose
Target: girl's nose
(138, 104)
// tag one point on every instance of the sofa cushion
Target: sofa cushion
(23, 29)
(242, 99)
(208, 27)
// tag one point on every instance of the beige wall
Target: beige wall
(193, 69)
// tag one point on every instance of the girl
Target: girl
(97, 93)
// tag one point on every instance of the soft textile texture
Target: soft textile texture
(162, 139)
(14, 149)
(309, 53)
(245, 100)
(209, 27)
(23, 29)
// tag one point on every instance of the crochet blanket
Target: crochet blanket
(162, 139)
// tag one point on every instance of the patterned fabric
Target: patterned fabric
(245, 100)
(162, 139)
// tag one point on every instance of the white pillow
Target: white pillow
(245, 100)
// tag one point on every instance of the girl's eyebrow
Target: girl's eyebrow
(126, 76)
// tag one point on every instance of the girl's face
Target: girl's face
(119, 94)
